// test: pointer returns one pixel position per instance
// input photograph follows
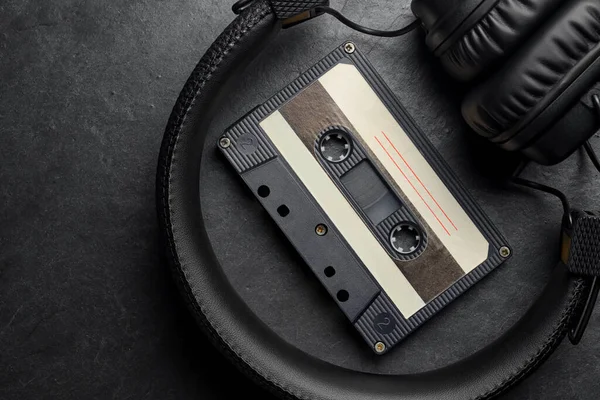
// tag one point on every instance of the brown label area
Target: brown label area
(311, 112)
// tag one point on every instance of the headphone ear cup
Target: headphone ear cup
(541, 83)
(484, 43)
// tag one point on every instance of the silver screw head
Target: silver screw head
(504, 251)
(379, 347)
(349, 48)
(321, 230)
(224, 142)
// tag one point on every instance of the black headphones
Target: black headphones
(534, 67)
(542, 61)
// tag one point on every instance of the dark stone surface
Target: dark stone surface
(87, 307)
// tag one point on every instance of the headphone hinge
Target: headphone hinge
(293, 12)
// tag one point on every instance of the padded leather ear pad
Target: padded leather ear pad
(482, 44)
(540, 83)
(441, 18)
(238, 333)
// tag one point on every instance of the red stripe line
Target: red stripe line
(424, 187)
(410, 183)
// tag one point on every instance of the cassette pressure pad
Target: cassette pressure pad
(364, 197)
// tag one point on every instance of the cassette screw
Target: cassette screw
(349, 48)
(224, 142)
(321, 230)
(379, 347)
(504, 251)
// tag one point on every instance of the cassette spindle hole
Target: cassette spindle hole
(329, 272)
(406, 238)
(335, 146)
(264, 191)
(283, 210)
(343, 296)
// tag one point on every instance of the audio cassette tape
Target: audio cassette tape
(364, 197)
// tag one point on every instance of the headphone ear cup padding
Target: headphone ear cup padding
(537, 74)
(497, 34)
(441, 18)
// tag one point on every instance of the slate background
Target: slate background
(87, 306)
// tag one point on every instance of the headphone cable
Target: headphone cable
(363, 29)
(241, 5)
(592, 155)
(588, 146)
(564, 200)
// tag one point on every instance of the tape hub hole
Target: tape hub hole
(335, 146)
(406, 238)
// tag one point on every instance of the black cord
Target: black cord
(240, 6)
(592, 155)
(596, 101)
(567, 220)
(520, 168)
(587, 146)
(363, 29)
